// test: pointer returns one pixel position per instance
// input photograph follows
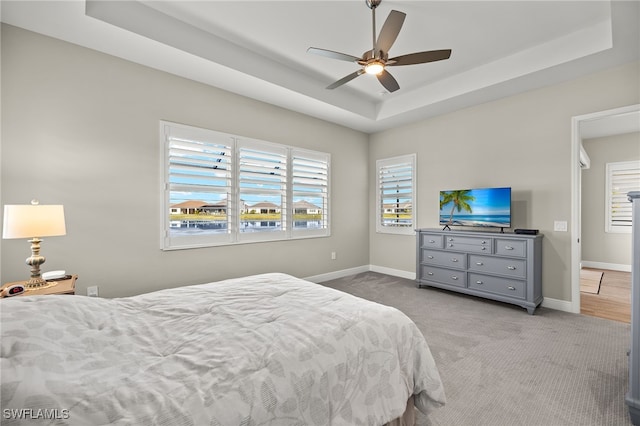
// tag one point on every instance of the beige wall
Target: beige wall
(80, 128)
(598, 245)
(523, 141)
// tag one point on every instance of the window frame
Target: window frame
(619, 198)
(233, 234)
(408, 160)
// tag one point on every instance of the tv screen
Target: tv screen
(488, 207)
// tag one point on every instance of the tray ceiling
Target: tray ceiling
(258, 48)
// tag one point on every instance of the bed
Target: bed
(269, 349)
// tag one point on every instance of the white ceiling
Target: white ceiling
(258, 48)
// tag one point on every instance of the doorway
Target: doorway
(598, 124)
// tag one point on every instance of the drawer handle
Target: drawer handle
(432, 241)
(429, 257)
(479, 263)
(454, 277)
(511, 268)
(484, 242)
(450, 245)
(511, 287)
(479, 282)
(508, 248)
(450, 239)
(483, 248)
(429, 273)
(454, 259)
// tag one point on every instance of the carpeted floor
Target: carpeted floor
(501, 366)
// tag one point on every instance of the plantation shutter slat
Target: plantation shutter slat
(197, 163)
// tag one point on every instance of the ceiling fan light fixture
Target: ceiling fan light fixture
(374, 68)
(375, 60)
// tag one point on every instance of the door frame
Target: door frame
(576, 194)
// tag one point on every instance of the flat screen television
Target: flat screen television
(485, 207)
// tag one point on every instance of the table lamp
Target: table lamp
(34, 221)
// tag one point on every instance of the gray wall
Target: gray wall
(598, 245)
(523, 141)
(80, 128)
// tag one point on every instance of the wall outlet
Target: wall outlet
(92, 291)
(560, 225)
(333, 255)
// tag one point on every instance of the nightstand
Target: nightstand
(67, 286)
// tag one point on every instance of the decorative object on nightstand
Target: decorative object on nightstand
(34, 221)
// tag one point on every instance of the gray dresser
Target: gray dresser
(633, 396)
(503, 267)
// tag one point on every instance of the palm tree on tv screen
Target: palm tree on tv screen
(459, 199)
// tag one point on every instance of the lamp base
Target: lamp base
(38, 284)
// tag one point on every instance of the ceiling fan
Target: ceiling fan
(376, 60)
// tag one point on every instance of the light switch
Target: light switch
(560, 225)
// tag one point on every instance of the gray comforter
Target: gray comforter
(262, 350)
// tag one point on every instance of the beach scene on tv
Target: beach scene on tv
(488, 207)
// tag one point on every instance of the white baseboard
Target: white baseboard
(604, 265)
(338, 274)
(393, 272)
(557, 304)
(360, 269)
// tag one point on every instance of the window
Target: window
(395, 201)
(309, 192)
(225, 189)
(621, 178)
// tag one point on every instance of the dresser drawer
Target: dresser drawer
(469, 244)
(445, 276)
(431, 240)
(493, 265)
(508, 247)
(444, 258)
(497, 285)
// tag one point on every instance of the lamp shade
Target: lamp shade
(29, 221)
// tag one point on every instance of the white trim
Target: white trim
(608, 266)
(576, 184)
(558, 305)
(338, 274)
(393, 272)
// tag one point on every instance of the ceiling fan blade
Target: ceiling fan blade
(388, 81)
(420, 57)
(346, 79)
(390, 30)
(333, 55)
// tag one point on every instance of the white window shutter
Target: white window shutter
(396, 195)
(621, 178)
(309, 192)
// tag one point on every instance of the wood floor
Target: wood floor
(614, 299)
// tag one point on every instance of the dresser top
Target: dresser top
(494, 234)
